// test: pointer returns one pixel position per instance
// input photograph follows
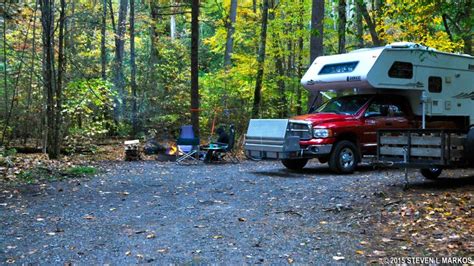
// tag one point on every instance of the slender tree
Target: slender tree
(257, 96)
(301, 65)
(341, 26)
(119, 80)
(133, 70)
(103, 51)
(370, 22)
(195, 66)
(317, 29)
(316, 41)
(230, 33)
(60, 76)
(359, 27)
(49, 80)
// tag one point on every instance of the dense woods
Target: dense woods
(77, 71)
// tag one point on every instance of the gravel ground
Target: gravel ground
(154, 212)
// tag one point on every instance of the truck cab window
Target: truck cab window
(384, 109)
(401, 70)
(435, 84)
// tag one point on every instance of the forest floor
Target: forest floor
(251, 212)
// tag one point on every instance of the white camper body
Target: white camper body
(441, 82)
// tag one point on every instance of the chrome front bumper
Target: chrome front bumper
(318, 149)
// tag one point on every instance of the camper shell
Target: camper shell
(443, 81)
(438, 87)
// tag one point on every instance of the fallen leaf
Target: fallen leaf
(89, 217)
(379, 253)
(360, 252)
(290, 260)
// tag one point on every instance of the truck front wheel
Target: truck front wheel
(344, 157)
(431, 173)
(294, 164)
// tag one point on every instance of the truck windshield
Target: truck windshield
(347, 105)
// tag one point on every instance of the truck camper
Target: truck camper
(398, 87)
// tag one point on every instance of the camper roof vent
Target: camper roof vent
(408, 45)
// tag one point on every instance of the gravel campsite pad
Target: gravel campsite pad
(252, 212)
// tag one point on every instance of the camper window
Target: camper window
(435, 84)
(338, 68)
(401, 70)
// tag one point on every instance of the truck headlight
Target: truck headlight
(322, 133)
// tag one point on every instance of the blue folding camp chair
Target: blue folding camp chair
(188, 145)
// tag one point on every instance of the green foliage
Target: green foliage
(9, 152)
(87, 105)
(37, 174)
(81, 171)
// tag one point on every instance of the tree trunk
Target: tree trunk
(152, 78)
(5, 71)
(279, 66)
(195, 66)
(173, 27)
(133, 70)
(47, 21)
(301, 65)
(359, 30)
(468, 33)
(119, 80)
(317, 29)
(341, 26)
(316, 42)
(30, 86)
(60, 76)
(230, 33)
(103, 51)
(370, 24)
(261, 61)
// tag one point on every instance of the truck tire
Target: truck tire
(431, 173)
(344, 157)
(294, 164)
(469, 147)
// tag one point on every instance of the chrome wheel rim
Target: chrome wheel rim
(347, 158)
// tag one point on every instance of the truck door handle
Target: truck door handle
(389, 124)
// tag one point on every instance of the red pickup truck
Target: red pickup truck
(345, 128)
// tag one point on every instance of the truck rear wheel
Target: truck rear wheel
(294, 164)
(344, 157)
(431, 173)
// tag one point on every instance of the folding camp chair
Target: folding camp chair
(188, 145)
(217, 151)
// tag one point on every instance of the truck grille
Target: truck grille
(300, 129)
